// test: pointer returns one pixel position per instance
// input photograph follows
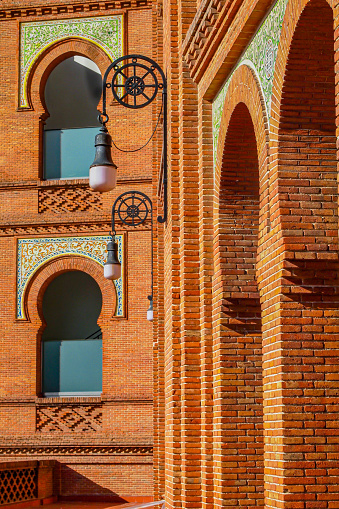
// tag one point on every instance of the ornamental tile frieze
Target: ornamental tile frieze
(32, 254)
(35, 37)
(260, 56)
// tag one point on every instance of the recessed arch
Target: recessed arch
(244, 88)
(50, 58)
(41, 280)
(71, 341)
(240, 218)
(303, 128)
(51, 269)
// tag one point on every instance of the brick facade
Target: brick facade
(102, 446)
(247, 371)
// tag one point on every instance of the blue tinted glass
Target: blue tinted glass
(72, 366)
(69, 152)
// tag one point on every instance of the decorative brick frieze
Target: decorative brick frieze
(69, 200)
(43, 229)
(201, 29)
(61, 450)
(59, 10)
(69, 418)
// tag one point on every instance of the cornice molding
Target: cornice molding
(57, 228)
(34, 12)
(203, 30)
(218, 36)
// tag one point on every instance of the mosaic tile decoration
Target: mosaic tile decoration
(260, 56)
(33, 253)
(105, 32)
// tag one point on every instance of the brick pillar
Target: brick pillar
(45, 479)
(206, 194)
(189, 293)
(238, 419)
(172, 357)
(158, 279)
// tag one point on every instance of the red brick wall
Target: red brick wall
(122, 417)
(266, 372)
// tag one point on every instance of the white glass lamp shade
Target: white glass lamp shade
(112, 270)
(103, 178)
(150, 309)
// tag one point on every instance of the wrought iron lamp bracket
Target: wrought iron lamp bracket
(135, 84)
(134, 208)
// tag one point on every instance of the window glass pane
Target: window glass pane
(72, 366)
(72, 94)
(69, 152)
(51, 366)
(52, 153)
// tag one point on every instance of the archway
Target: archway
(307, 141)
(72, 339)
(238, 356)
(304, 287)
(72, 94)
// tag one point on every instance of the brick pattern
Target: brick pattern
(73, 419)
(77, 450)
(272, 364)
(17, 485)
(62, 200)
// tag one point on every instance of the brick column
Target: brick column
(206, 194)
(45, 479)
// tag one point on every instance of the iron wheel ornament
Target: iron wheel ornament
(136, 82)
(133, 208)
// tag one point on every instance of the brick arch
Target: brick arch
(292, 16)
(50, 58)
(53, 268)
(244, 88)
(240, 210)
(298, 20)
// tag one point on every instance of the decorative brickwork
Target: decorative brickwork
(60, 450)
(32, 11)
(62, 200)
(68, 418)
(18, 485)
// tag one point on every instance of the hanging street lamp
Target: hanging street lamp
(135, 84)
(103, 172)
(133, 209)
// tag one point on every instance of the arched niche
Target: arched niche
(71, 96)
(40, 282)
(71, 340)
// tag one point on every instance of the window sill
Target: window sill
(63, 399)
(83, 181)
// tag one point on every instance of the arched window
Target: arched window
(71, 341)
(72, 94)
